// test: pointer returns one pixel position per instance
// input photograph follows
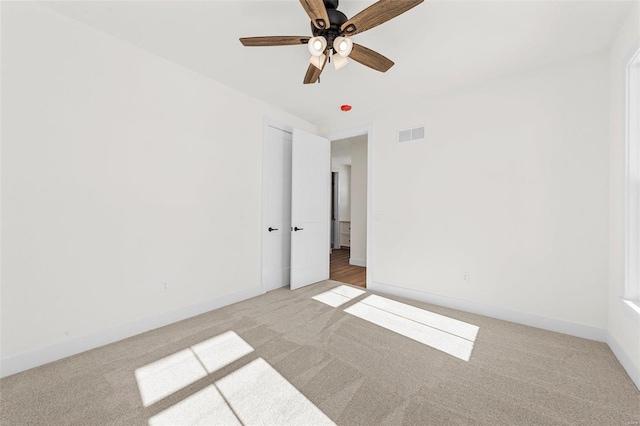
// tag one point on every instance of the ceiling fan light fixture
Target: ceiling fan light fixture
(329, 25)
(317, 45)
(339, 62)
(317, 61)
(343, 46)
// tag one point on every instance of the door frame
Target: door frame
(349, 133)
(266, 123)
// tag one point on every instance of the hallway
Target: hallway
(341, 271)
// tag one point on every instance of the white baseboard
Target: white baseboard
(26, 360)
(632, 370)
(552, 324)
(357, 262)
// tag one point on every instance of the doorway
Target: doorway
(305, 171)
(349, 164)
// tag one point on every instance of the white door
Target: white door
(276, 235)
(310, 208)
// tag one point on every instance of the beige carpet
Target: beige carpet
(353, 371)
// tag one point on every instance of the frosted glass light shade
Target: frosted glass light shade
(317, 45)
(339, 62)
(342, 46)
(317, 61)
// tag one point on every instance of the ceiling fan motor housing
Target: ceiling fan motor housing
(330, 4)
(336, 19)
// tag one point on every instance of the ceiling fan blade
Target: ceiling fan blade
(274, 40)
(376, 14)
(317, 12)
(370, 58)
(313, 73)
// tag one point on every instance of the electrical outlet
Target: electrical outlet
(165, 286)
(465, 277)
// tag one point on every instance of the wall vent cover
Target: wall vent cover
(409, 135)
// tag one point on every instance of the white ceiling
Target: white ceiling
(438, 46)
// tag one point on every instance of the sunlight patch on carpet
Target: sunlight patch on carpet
(205, 407)
(252, 394)
(431, 319)
(259, 395)
(221, 350)
(445, 334)
(338, 296)
(170, 374)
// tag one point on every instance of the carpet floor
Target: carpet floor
(350, 371)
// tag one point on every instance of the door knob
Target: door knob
(272, 229)
(298, 229)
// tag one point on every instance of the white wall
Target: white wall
(509, 185)
(624, 324)
(341, 163)
(344, 191)
(358, 255)
(121, 171)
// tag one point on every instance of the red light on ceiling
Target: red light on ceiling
(345, 108)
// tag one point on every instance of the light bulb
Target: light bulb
(343, 46)
(317, 45)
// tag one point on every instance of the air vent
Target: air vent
(409, 135)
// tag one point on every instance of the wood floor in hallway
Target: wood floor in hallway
(345, 273)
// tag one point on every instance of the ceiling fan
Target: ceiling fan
(332, 30)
